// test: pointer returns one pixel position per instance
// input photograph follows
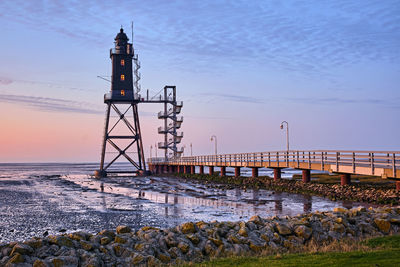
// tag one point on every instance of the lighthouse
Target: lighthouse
(121, 104)
(122, 79)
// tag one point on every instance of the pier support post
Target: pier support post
(254, 172)
(223, 171)
(155, 169)
(306, 176)
(201, 169)
(210, 170)
(237, 171)
(277, 174)
(192, 169)
(185, 169)
(345, 178)
(397, 186)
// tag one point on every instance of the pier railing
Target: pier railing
(347, 161)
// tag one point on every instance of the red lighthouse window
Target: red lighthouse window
(122, 77)
(122, 62)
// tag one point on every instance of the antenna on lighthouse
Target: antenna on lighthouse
(132, 31)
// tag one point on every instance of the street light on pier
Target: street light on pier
(287, 133)
(191, 150)
(151, 148)
(183, 150)
(155, 148)
(214, 138)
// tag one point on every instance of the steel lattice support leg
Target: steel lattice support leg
(133, 137)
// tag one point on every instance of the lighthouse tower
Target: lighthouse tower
(122, 138)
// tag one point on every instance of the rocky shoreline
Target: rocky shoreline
(352, 192)
(199, 241)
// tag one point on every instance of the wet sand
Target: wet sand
(66, 198)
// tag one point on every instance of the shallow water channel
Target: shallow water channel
(36, 200)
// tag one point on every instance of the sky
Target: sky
(331, 69)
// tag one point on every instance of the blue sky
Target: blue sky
(329, 68)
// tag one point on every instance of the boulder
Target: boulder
(123, 229)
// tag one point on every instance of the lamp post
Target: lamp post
(287, 133)
(151, 148)
(155, 148)
(183, 149)
(191, 150)
(214, 138)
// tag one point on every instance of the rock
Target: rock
(164, 258)
(383, 225)
(21, 249)
(216, 241)
(78, 236)
(340, 210)
(183, 247)
(265, 237)
(57, 262)
(209, 249)
(194, 238)
(39, 263)
(303, 231)
(34, 243)
(120, 239)
(105, 240)
(17, 258)
(86, 245)
(339, 228)
(152, 261)
(187, 228)
(255, 219)
(395, 221)
(256, 247)
(60, 241)
(174, 252)
(339, 220)
(118, 249)
(147, 228)
(137, 259)
(283, 229)
(123, 229)
(108, 233)
(202, 225)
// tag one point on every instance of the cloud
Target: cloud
(51, 104)
(235, 98)
(303, 36)
(59, 105)
(5, 81)
(336, 100)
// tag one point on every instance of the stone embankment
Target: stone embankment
(198, 241)
(354, 192)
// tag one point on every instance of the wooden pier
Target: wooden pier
(385, 164)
